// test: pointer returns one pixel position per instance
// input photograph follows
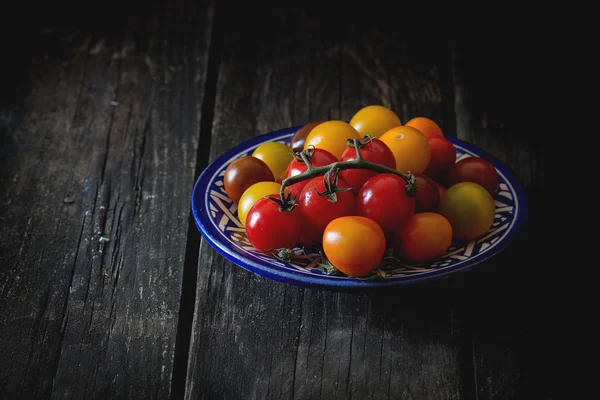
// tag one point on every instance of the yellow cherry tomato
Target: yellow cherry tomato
(276, 155)
(374, 120)
(410, 147)
(331, 136)
(427, 126)
(469, 208)
(253, 194)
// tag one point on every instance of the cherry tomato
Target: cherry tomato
(331, 136)
(276, 155)
(298, 139)
(443, 157)
(243, 173)
(354, 245)
(251, 196)
(268, 228)
(383, 198)
(427, 126)
(425, 237)
(410, 148)
(474, 169)
(375, 151)
(317, 158)
(469, 208)
(441, 189)
(374, 120)
(428, 196)
(319, 210)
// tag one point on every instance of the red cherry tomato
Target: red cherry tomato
(319, 210)
(474, 169)
(428, 195)
(268, 228)
(383, 198)
(317, 158)
(443, 157)
(354, 245)
(375, 151)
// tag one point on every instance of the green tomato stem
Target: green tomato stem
(358, 163)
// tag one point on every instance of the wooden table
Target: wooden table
(107, 289)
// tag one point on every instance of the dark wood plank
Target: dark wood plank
(254, 338)
(97, 189)
(509, 322)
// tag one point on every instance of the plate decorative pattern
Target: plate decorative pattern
(215, 216)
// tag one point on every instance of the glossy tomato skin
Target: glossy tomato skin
(318, 210)
(276, 155)
(243, 173)
(383, 198)
(298, 139)
(252, 195)
(354, 245)
(318, 158)
(474, 169)
(268, 228)
(428, 195)
(427, 126)
(469, 208)
(410, 148)
(332, 136)
(443, 157)
(425, 237)
(374, 120)
(375, 151)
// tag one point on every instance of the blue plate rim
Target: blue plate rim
(324, 281)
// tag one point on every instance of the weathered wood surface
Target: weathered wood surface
(97, 170)
(508, 323)
(106, 289)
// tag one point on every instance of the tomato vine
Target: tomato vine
(331, 170)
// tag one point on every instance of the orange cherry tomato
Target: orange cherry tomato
(354, 245)
(331, 136)
(374, 120)
(410, 147)
(427, 126)
(426, 237)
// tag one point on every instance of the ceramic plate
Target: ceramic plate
(215, 216)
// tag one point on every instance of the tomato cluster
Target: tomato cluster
(357, 190)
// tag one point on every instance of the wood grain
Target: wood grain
(255, 338)
(94, 232)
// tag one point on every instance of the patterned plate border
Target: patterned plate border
(216, 218)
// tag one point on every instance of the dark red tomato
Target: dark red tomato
(428, 195)
(474, 169)
(319, 210)
(319, 158)
(443, 157)
(243, 173)
(297, 141)
(383, 198)
(268, 228)
(375, 151)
